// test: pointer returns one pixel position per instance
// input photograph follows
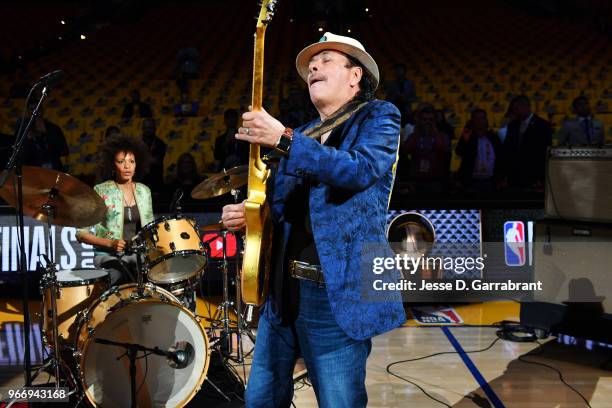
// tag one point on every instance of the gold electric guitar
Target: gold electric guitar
(258, 236)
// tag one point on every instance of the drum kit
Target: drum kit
(89, 326)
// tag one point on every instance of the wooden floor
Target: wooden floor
(492, 378)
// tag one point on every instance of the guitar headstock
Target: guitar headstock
(266, 12)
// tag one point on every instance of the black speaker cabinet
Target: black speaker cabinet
(573, 260)
(579, 183)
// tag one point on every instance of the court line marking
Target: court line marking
(472, 367)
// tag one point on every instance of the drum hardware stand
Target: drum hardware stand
(49, 281)
(137, 247)
(225, 339)
(175, 205)
(15, 163)
(223, 310)
(132, 349)
(242, 322)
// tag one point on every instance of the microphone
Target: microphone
(180, 355)
(51, 79)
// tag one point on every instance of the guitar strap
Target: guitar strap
(336, 119)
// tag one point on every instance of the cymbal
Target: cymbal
(221, 183)
(76, 204)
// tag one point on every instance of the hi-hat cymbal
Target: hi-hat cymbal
(221, 183)
(75, 203)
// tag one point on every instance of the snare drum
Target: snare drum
(152, 318)
(173, 250)
(185, 292)
(78, 288)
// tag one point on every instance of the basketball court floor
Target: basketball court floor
(471, 367)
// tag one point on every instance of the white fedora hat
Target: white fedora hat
(347, 45)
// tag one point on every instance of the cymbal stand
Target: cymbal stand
(242, 321)
(136, 246)
(15, 164)
(223, 311)
(49, 281)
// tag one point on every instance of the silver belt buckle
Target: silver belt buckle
(317, 272)
(295, 264)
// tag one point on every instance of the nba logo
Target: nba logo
(514, 243)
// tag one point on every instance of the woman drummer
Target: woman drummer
(128, 206)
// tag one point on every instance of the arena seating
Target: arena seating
(472, 60)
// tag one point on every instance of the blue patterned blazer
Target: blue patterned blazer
(351, 178)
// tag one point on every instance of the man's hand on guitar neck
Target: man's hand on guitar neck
(233, 216)
(259, 127)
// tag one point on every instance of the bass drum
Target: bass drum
(152, 318)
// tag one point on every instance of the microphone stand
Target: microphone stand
(175, 205)
(16, 163)
(132, 349)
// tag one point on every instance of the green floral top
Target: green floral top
(111, 226)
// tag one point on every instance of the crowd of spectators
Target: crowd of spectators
(509, 159)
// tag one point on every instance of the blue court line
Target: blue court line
(472, 367)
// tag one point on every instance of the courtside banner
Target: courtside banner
(68, 253)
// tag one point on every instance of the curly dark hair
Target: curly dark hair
(121, 143)
(366, 85)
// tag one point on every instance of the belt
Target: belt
(306, 271)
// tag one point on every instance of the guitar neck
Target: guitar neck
(258, 69)
(257, 94)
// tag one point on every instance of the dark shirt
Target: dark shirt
(229, 151)
(301, 245)
(468, 151)
(157, 148)
(524, 155)
(400, 91)
(130, 226)
(6, 143)
(45, 149)
(429, 156)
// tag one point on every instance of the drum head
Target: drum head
(77, 277)
(150, 323)
(177, 268)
